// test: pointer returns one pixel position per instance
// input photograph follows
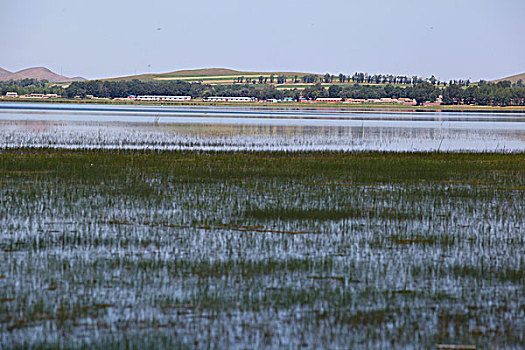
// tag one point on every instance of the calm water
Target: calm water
(239, 128)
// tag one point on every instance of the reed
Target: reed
(113, 249)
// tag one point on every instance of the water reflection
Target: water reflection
(100, 127)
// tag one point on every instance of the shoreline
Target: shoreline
(327, 106)
(34, 150)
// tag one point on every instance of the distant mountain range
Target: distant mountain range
(40, 73)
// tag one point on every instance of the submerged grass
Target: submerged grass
(109, 249)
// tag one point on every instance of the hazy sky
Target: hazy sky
(477, 39)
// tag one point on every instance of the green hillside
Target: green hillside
(209, 75)
(514, 78)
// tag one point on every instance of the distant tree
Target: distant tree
(453, 94)
(314, 91)
(424, 92)
(310, 78)
(327, 78)
(504, 84)
(281, 79)
(334, 91)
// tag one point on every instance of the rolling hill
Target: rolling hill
(206, 75)
(4, 72)
(40, 73)
(514, 78)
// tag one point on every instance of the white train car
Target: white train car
(162, 98)
(329, 99)
(229, 99)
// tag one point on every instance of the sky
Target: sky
(451, 39)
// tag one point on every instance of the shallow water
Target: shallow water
(270, 250)
(69, 126)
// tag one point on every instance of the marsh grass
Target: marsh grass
(128, 249)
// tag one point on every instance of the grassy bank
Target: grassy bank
(345, 106)
(235, 250)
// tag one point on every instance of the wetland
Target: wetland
(183, 249)
(235, 228)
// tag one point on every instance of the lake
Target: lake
(76, 126)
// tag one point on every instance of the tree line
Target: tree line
(115, 89)
(497, 94)
(29, 86)
(502, 93)
(360, 78)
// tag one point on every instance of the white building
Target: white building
(40, 96)
(33, 96)
(329, 99)
(229, 99)
(162, 98)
